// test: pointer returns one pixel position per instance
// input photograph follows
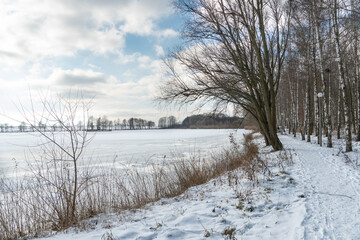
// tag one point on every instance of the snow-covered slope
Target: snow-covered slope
(318, 197)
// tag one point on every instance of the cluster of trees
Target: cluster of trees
(98, 124)
(24, 127)
(212, 121)
(6, 128)
(104, 124)
(168, 122)
(321, 79)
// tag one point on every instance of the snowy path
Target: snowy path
(332, 191)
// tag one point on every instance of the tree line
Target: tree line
(92, 124)
(104, 124)
(168, 122)
(212, 121)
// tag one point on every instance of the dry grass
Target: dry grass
(32, 207)
(254, 129)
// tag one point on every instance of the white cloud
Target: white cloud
(36, 35)
(159, 50)
(33, 29)
(127, 58)
(93, 66)
(77, 77)
(107, 90)
(168, 33)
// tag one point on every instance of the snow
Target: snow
(332, 189)
(133, 147)
(318, 197)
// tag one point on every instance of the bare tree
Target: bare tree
(171, 122)
(56, 171)
(125, 123)
(235, 56)
(150, 124)
(90, 124)
(162, 122)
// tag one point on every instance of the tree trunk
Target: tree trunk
(308, 108)
(358, 87)
(340, 111)
(268, 130)
(316, 100)
(308, 93)
(344, 92)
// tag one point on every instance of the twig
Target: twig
(333, 194)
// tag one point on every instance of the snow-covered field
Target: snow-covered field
(135, 147)
(318, 197)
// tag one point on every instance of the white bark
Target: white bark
(343, 84)
(327, 117)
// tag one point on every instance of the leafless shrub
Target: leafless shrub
(246, 157)
(353, 162)
(49, 197)
(285, 158)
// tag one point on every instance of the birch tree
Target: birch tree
(343, 83)
(316, 12)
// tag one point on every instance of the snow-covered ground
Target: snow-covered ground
(135, 147)
(318, 197)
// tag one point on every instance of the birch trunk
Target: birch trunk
(327, 117)
(293, 104)
(308, 93)
(358, 87)
(316, 102)
(308, 106)
(340, 111)
(343, 84)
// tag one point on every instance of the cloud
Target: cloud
(32, 30)
(93, 66)
(168, 33)
(128, 113)
(127, 58)
(77, 77)
(111, 96)
(108, 88)
(159, 51)
(82, 94)
(144, 59)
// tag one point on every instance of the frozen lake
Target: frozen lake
(136, 147)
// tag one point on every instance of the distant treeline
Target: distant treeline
(212, 121)
(202, 121)
(104, 124)
(93, 124)
(168, 122)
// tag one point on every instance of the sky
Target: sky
(110, 50)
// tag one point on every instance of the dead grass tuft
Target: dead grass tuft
(253, 129)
